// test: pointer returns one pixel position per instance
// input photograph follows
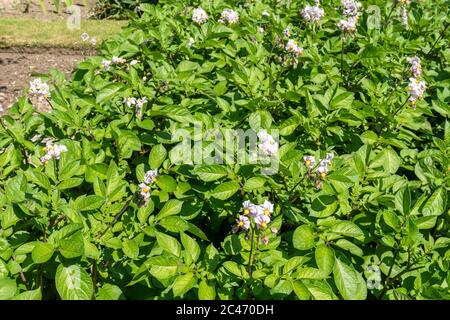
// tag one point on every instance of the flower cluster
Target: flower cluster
(117, 60)
(321, 170)
(199, 16)
(144, 193)
(268, 144)
(229, 16)
(416, 67)
(351, 12)
(39, 88)
(260, 213)
(52, 151)
(313, 14)
(138, 103)
(106, 64)
(404, 17)
(416, 87)
(294, 51)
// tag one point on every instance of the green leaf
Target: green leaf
(168, 243)
(8, 288)
(157, 156)
(206, 291)
(225, 190)
(29, 295)
(436, 203)
(183, 284)
(109, 292)
(349, 282)
(211, 172)
(303, 238)
(72, 246)
(254, 183)
(73, 283)
(171, 207)
(301, 291)
(108, 92)
(348, 229)
(324, 258)
(162, 267)
(131, 248)
(42, 252)
(89, 203)
(391, 161)
(191, 247)
(167, 183)
(39, 178)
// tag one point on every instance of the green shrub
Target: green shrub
(373, 222)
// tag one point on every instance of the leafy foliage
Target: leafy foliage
(376, 227)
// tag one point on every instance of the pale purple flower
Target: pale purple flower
(199, 16)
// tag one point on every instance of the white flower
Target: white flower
(310, 161)
(106, 64)
(134, 62)
(84, 36)
(199, 16)
(351, 8)
(229, 16)
(145, 192)
(287, 32)
(266, 208)
(249, 209)
(313, 13)
(39, 88)
(322, 171)
(268, 144)
(260, 29)
(293, 48)
(190, 42)
(348, 25)
(93, 42)
(243, 222)
(416, 89)
(266, 13)
(52, 151)
(416, 67)
(150, 176)
(117, 60)
(262, 221)
(404, 17)
(129, 101)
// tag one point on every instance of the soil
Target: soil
(18, 64)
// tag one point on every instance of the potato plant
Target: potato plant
(349, 101)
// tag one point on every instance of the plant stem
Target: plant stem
(389, 15)
(342, 57)
(388, 278)
(116, 218)
(250, 258)
(22, 275)
(439, 38)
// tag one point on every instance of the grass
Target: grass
(54, 33)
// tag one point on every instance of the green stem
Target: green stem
(250, 258)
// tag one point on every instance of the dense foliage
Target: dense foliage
(87, 217)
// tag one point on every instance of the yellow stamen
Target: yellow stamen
(267, 212)
(246, 212)
(263, 225)
(145, 189)
(241, 223)
(323, 175)
(308, 163)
